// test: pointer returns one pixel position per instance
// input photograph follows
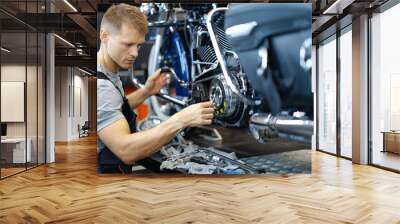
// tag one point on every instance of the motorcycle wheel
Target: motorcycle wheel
(159, 107)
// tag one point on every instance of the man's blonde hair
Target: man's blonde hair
(123, 13)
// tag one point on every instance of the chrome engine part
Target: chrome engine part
(298, 127)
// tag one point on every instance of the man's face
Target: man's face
(123, 46)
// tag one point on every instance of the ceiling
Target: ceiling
(79, 27)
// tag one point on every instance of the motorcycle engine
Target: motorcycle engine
(210, 83)
(228, 108)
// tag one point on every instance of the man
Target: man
(123, 29)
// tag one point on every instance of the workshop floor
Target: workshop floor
(277, 156)
(70, 191)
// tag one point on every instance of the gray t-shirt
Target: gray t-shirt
(109, 101)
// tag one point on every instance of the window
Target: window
(346, 92)
(327, 96)
(385, 87)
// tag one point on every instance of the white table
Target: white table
(19, 155)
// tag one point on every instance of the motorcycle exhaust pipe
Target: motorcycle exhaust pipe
(264, 126)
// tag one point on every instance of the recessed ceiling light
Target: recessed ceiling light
(70, 5)
(5, 50)
(86, 72)
(64, 40)
(338, 6)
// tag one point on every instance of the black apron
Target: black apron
(107, 161)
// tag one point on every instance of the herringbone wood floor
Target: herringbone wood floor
(70, 191)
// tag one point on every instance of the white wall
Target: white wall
(71, 94)
(80, 100)
(61, 103)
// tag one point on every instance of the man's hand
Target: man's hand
(155, 82)
(195, 115)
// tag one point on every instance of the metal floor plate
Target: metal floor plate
(298, 161)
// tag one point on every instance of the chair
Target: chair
(84, 130)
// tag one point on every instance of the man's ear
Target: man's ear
(104, 36)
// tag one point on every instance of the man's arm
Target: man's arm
(133, 147)
(153, 85)
(138, 97)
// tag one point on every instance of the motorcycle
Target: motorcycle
(192, 41)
